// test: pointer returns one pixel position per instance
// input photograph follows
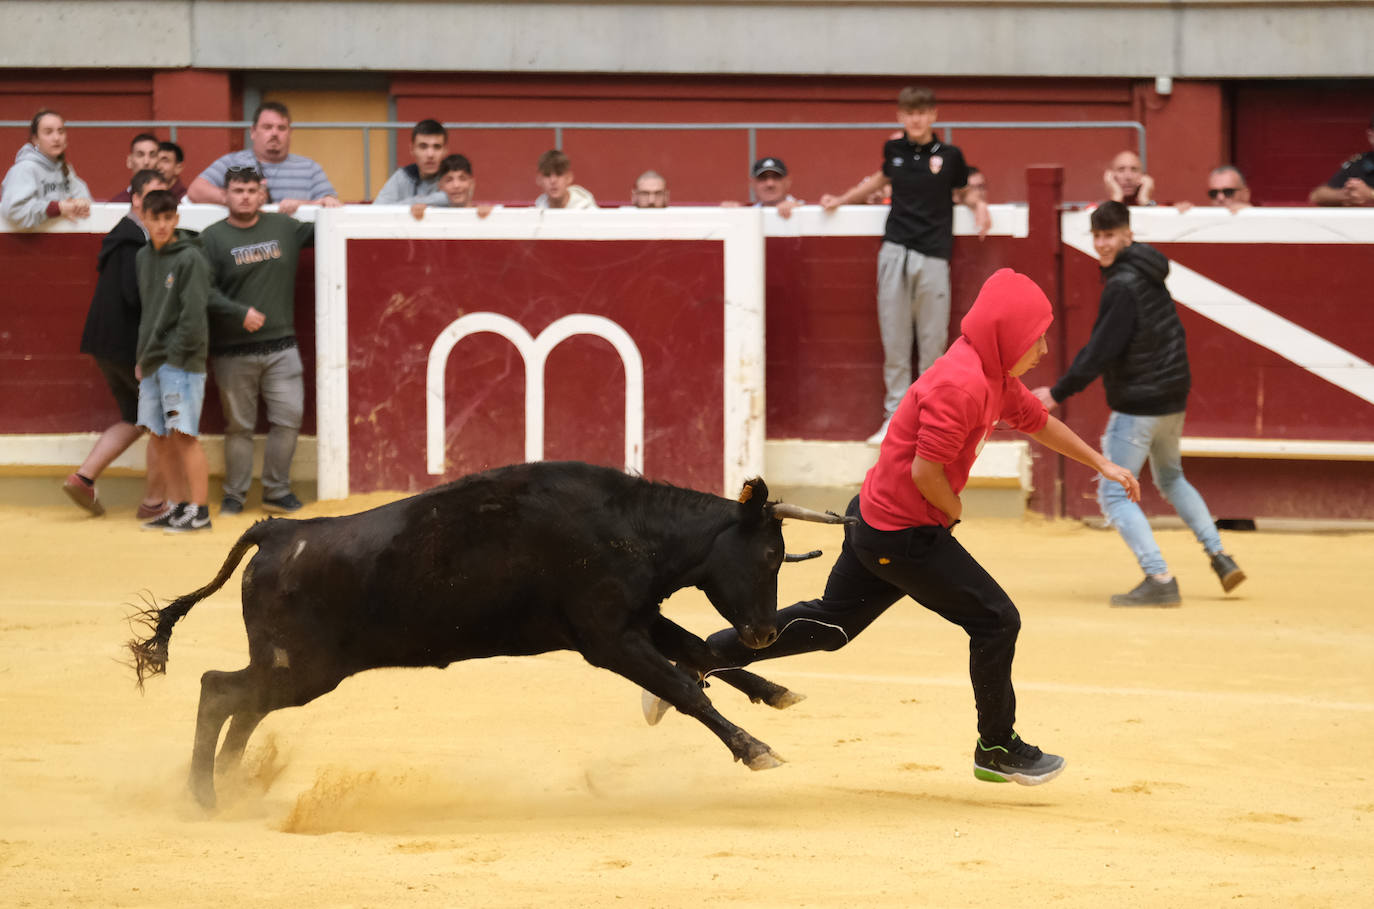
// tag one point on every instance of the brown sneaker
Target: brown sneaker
(83, 495)
(148, 512)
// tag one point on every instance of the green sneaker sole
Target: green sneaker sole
(988, 776)
(1025, 779)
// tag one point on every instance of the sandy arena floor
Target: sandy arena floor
(1218, 754)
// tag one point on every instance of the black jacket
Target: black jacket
(1138, 344)
(111, 331)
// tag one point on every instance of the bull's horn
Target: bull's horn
(784, 510)
(802, 556)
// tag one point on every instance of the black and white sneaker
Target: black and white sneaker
(1015, 762)
(164, 520)
(190, 518)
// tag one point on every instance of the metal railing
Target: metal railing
(558, 128)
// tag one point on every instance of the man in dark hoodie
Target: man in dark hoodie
(903, 543)
(173, 341)
(1139, 349)
(111, 337)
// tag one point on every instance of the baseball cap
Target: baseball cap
(765, 165)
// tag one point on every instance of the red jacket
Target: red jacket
(952, 408)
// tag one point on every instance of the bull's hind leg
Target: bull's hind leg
(248, 695)
(241, 727)
(222, 694)
(637, 660)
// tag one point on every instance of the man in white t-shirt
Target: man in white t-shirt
(555, 177)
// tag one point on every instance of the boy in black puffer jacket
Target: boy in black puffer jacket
(1139, 349)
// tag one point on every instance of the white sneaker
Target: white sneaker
(877, 437)
(654, 707)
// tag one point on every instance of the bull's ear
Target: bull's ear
(753, 500)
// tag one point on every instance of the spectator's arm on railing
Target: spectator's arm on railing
(858, 193)
(1354, 192)
(202, 190)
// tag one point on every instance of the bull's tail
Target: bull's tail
(150, 653)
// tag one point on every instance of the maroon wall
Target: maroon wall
(668, 295)
(46, 383)
(823, 369)
(1291, 136)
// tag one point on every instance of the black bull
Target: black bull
(519, 560)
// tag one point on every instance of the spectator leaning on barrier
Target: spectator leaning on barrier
(142, 156)
(1126, 181)
(42, 184)
(924, 174)
(1138, 347)
(292, 180)
(650, 190)
(1353, 184)
(1226, 187)
(173, 285)
(253, 256)
(418, 182)
(555, 177)
(456, 188)
(170, 162)
(772, 187)
(111, 338)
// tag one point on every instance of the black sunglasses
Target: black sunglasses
(1228, 192)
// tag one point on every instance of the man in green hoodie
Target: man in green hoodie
(174, 286)
(253, 256)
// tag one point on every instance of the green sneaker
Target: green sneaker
(1015, 762)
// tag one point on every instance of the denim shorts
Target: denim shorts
(170, 400)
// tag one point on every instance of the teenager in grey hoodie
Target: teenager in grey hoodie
(41, 184)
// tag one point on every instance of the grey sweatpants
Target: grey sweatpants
(913, 303)
(276, 377)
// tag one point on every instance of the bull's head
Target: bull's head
(741, 576)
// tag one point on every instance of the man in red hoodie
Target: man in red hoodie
(903, 543)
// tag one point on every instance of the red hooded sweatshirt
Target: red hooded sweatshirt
(952, 408)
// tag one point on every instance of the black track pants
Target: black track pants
(875, 569)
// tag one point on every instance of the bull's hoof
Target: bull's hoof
(204, 791)
(764, 760)
(786, 698)
(654, 707)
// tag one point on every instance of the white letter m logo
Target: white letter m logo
(534, 351)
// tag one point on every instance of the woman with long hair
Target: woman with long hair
(42, 184)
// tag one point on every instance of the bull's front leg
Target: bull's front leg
(691, 653)
(633, 656)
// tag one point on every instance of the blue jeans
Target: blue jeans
(1128, 441)
(170, 401)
